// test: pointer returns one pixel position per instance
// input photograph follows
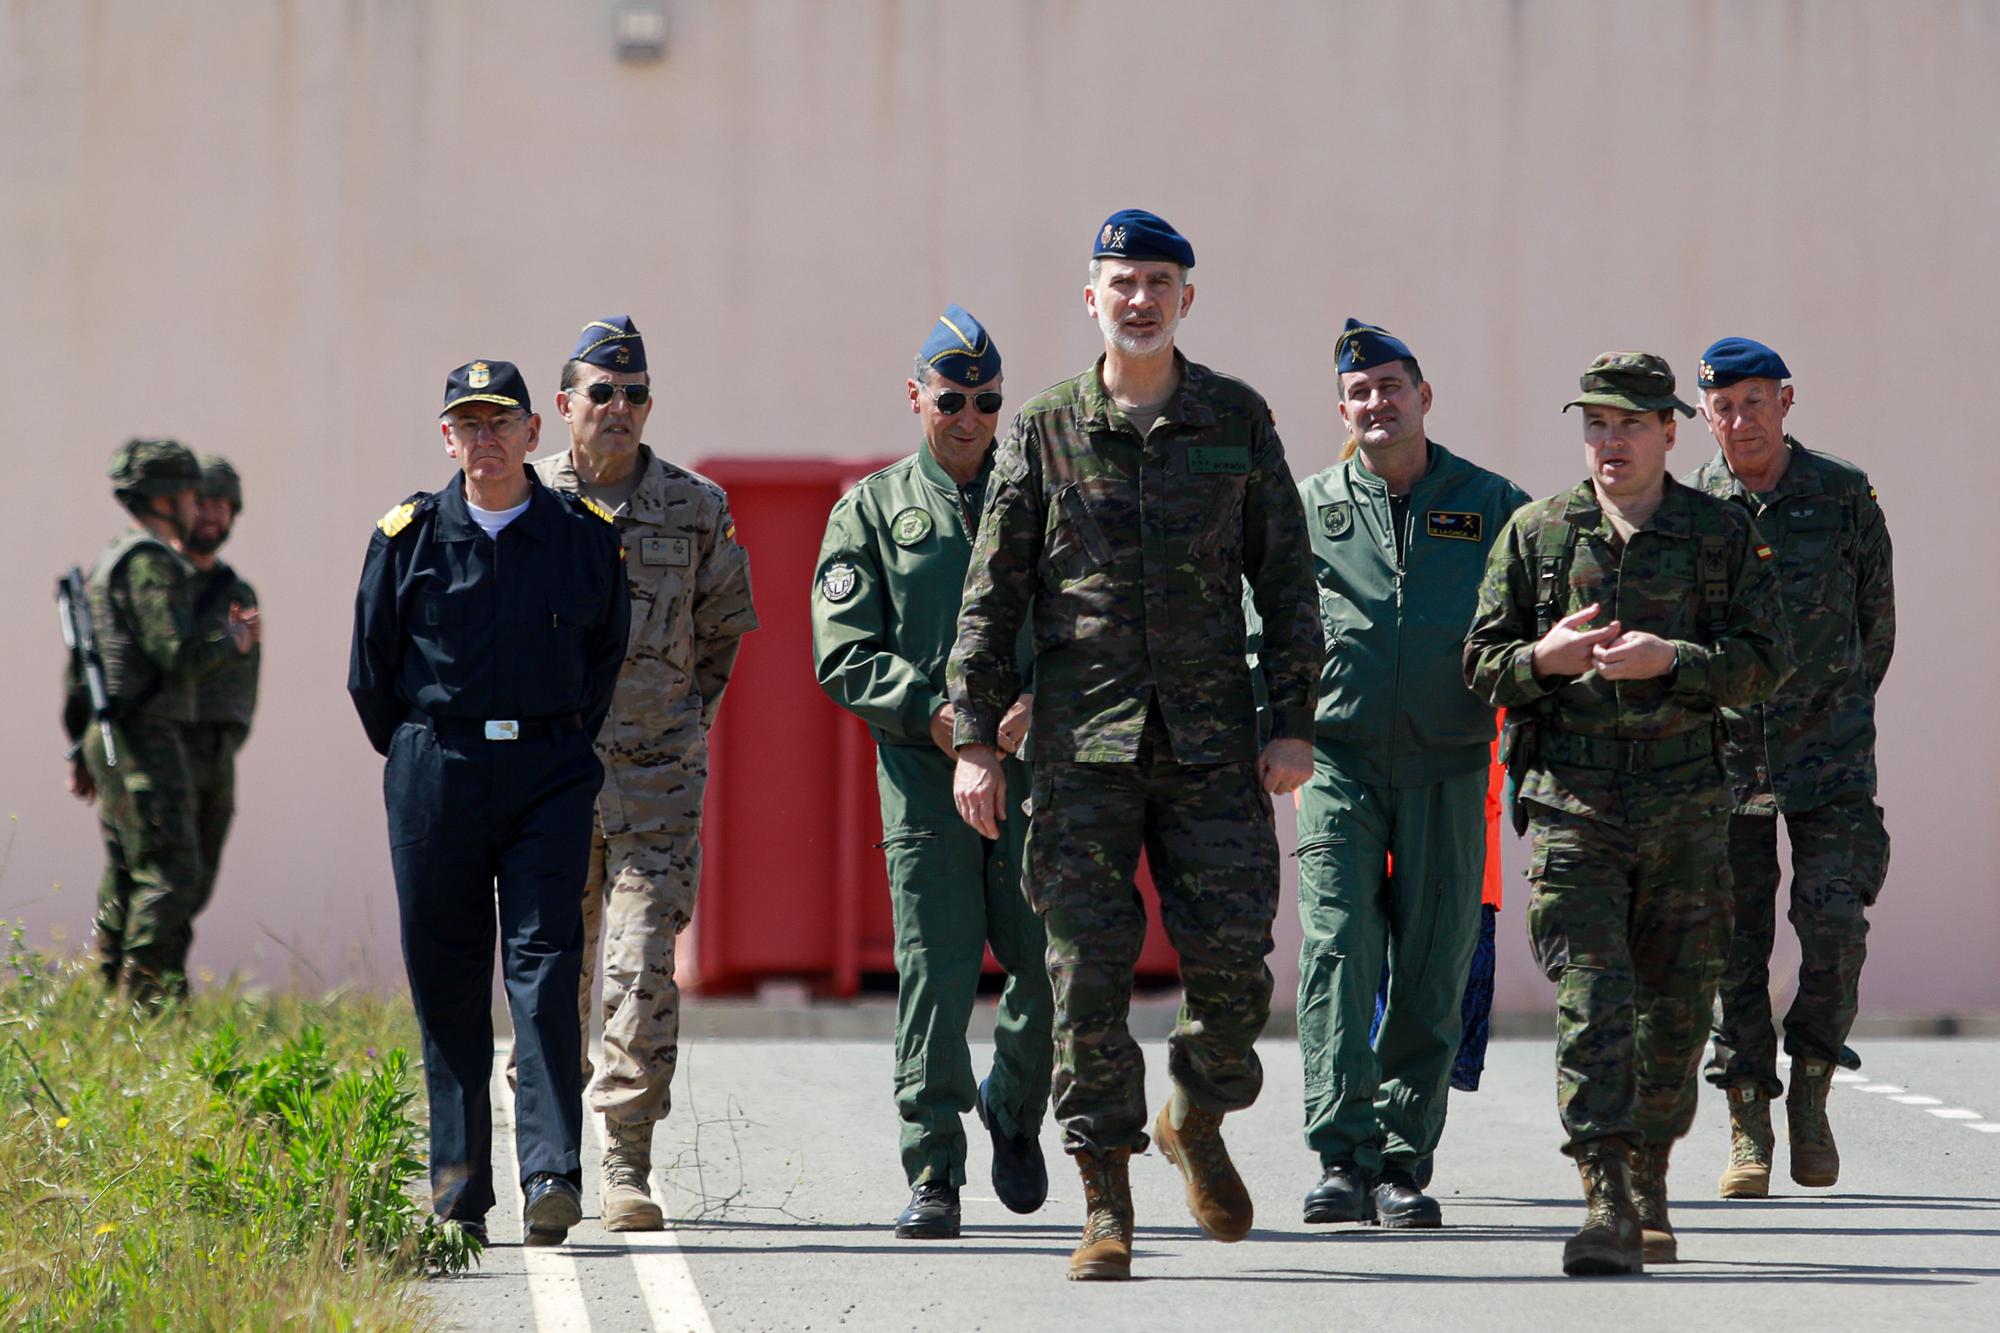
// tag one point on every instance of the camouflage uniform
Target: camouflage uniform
(690, 585)
(1128, 555)
(224, 703)
(1810, 753)
(1629, 910)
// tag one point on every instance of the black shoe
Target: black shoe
(1020, 1177)
(1399, 1203)
(932, 1214)
(1341, 1196)
(552, 1207)
(1421, 1172)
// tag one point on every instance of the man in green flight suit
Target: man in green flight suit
(1400, 531)
(1622, 779)
(885, 610)
(1808, 753)
(1126, 508)
(142, 606)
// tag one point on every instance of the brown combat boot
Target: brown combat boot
(627, 1168)
(1748, 1175)
(1649, 1200)
(1815, 1157)
(1105, 1252)
(1608, 1242)
(1191, 1139)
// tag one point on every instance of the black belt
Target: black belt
(1568, 747)
(498, 729)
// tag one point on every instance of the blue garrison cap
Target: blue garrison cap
(613, 343)
(1364, 346)
(1133, 233)
(496, 382)
(1733, 359)
(960, 349)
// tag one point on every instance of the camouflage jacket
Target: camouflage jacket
(1631, 751)
(230, 694)
(142, 606)
(691, 607)
(1815, 739)
(1128, 556)
(886, 594)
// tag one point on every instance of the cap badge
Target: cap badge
(1117, 239)
(623, 356)
(972, 375)
(478, 375)
(1707, 371)
(1105, 239)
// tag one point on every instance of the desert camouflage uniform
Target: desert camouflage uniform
(224, 702)
(1809, 753)
(690, 583)
(1132, 552)
(1629, 910)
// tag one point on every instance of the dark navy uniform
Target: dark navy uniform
(482, 668)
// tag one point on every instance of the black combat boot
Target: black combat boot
(932, 1213)
(1020, 1177)
(1400, 1204)
(1342, 1195)
(1608, 1242)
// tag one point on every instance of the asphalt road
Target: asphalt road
(779, 1165)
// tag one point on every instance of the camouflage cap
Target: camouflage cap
(1640, 381)
(220, 482)
(154, 467)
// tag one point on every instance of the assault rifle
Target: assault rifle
(73, 609)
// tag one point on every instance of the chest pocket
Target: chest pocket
(575, 613)
(1075, 539)
(1812, 556)
(659, 570)
(1221, 523)
(439, 609)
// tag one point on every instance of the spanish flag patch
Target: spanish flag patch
(1763, 551)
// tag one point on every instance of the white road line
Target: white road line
(1953, 1113)
(1984, 1126)
(1894, 1091)
(665, 1282)
(555, 1289)
(1849, 1076)
(1880, 1087)
(1916, 1099)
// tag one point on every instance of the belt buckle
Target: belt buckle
(503, 731)
(1635, 752)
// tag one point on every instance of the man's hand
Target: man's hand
(1635, 656)
(81, 785)
(1014, 724)
(1285, 765)
(979, 789)
(246, 631)
(941, 724)
(1566, 649)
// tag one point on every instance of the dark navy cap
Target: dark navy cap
(613, 343)
(960, 349)
(1362, 346)
(497, 382)
(1733, 359)
(1133, 233)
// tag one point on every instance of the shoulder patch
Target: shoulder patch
(1872, 495)
(397, 519)
(838, 582)
(596, 508)
(1337, 518)
(1763, 551)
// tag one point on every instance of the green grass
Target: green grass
(240, 1162)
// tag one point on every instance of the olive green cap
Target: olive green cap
(1639, 381)
(154, 467)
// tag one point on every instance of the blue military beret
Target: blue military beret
(960, 349)
(497, 382)
(1133, 233)
(613, 343)
(1733, 359)
(1361, 346)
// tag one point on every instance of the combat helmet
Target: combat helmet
(153, 467)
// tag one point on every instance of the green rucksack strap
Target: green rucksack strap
(1556, 546)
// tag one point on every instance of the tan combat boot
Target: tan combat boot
(1748, 1175)
(1649, 1200)
(628, 1164)
(1105, 1252)
(1608, 1242)
(1815, 1157)
(1191, 1139)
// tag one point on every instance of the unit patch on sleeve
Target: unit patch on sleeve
(1454, 524)
(837, 582)
(663, 551)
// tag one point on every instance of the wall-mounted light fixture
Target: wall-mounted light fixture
(639, 31)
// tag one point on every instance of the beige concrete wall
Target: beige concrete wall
(269, 228)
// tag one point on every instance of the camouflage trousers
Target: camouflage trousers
(1840, 856)
(1210, 842)
(1631, 922)
(153, 867)
(952, 893)
(212, 748)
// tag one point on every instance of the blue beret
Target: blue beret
(960, 349)
(1361, 346)
(497, 382)
(1133, 233)
(1734, 359)
(613, 343)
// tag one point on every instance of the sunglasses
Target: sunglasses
(601, 392)
(951, 402)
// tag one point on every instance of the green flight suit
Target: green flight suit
(885, 611)
(1401, 749)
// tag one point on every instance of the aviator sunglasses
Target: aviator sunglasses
(951, 402)
(601, 391)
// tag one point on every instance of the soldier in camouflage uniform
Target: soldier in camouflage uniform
(885, 611)
(1612, 734)
(142, 604)
(1808, 753)
(690, 585)
(225, 700)
(1125, 509)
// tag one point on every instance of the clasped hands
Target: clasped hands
(1614, 652)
